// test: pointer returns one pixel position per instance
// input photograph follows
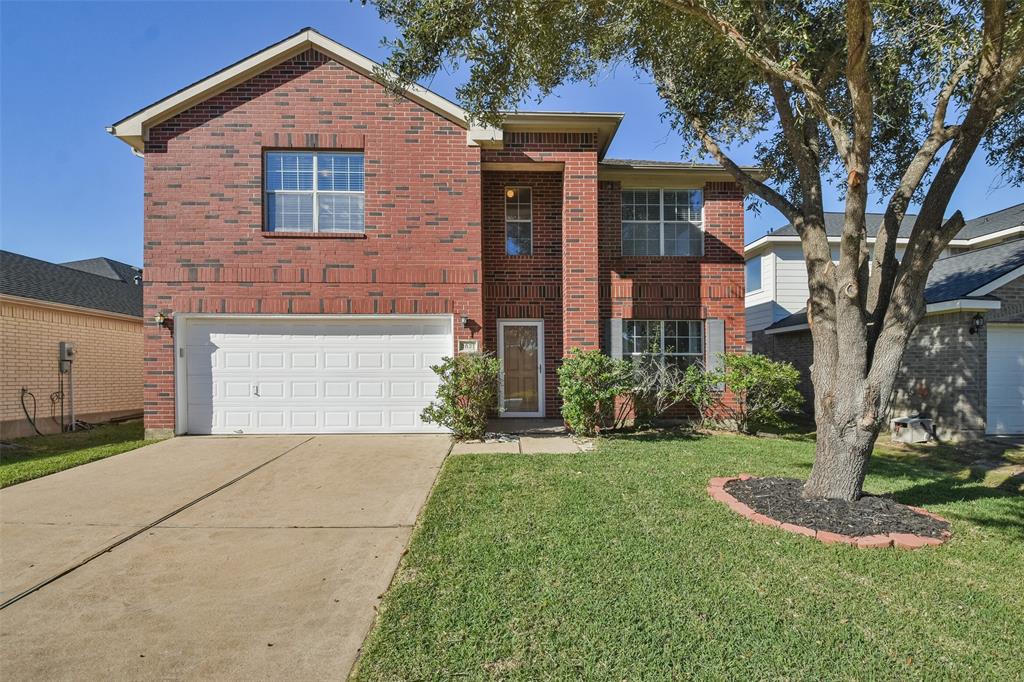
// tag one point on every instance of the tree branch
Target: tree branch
(769, 67)
(749, 183)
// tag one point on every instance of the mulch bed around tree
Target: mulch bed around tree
(869, 523)
(780, 499)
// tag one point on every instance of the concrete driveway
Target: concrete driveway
(239, 557)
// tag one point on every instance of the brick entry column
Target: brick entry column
(580, 319)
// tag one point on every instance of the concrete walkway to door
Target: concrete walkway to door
(229, 558)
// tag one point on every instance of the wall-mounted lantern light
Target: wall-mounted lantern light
(977, 323)
(465, 320)
(159, 318)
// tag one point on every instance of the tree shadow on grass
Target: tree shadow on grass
(656, 435)
(947, 479)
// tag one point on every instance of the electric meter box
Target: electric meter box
(65, 356)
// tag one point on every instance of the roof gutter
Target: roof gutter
(966, 305)
(757, 245)
(67, 307)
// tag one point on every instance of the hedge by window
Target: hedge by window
(314, 191)
(662, 222)
(518, 221)
(677, 341)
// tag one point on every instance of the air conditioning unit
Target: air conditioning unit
(912, 430)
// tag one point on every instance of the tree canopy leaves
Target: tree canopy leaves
(519, 52)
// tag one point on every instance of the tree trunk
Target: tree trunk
(840, 461)
(850, 404)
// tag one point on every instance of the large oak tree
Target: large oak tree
(892, 98)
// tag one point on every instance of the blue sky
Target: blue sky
(69, 190)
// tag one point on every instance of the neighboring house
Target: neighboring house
(96, 305)
(314, 243)
(776, 276)
(964, 365)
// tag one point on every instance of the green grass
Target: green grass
(42, 455)
(616, 565)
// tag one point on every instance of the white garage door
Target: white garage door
(303, 375)
(1006, 378)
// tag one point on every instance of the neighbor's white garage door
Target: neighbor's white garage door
(303, 375)
(1006, 378)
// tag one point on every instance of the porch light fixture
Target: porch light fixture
(159, 318)
(977, 323)
(510, 193)
(465, 320)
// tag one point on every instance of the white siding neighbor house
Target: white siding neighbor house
(776, 277)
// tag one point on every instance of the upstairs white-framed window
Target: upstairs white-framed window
(518, 221)
(680, 342)
(662, 222)
(754, 275)
(314, 192)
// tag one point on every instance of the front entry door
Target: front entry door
(521, 351)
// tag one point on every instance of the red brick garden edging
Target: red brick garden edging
(716, 489)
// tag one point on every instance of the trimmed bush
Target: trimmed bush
(589, 382)
(466, 396)
(765, 391)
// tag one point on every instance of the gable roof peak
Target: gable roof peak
(134, 128)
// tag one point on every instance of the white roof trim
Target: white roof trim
(1000, 282)
(134, 129)
(790, 328)
(992, 236)
(960, 304)
(981, 240)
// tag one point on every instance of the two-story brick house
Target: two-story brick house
(313, 243)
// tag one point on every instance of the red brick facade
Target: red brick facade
(678, 287)
(434, 237)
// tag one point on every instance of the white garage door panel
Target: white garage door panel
(330, 376)
(1005, 379)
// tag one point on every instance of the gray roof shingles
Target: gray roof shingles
(641, 163)
(834, 225)
(106, 267)
(955, 277)
(43, 281)
(998, 221)
(1006, 218)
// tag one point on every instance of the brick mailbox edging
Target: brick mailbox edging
(716, 489)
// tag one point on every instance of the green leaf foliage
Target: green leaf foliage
(466, 396)
(521, 51)
(763, 391)
(589, 382)
(701, 390)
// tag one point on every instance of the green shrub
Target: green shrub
(764, 391)
(701, 389)
(467, 394)
(589, 382)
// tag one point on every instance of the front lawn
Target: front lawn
(41, 455)
(616, 565)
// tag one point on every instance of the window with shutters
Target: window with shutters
(680, 342)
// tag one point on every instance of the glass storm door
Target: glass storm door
(521, 351)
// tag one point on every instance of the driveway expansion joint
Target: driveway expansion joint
(117, 543)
